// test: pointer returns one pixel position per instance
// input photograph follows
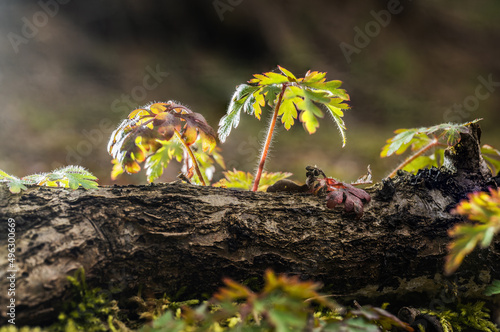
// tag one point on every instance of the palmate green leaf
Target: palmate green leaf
(14, 183)
(399, 143)
(271, 93)
(287, 111)
(302, 99)
(309, 111)
(69, 177)
(162, 157)
(173, 150)
(271, 78)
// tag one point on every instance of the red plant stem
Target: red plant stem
(433, 143)
(269, 138)
(193, 158)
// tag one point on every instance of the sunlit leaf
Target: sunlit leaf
(395, 144)
(148, 130)
(483, 208)
(70, 177)
(302, 99)
(416, 137)
(421, 162)
(313, 77)
(243, 180)
(269, 78)
(160, 160)
(232, 117)
(117, 169)
(288, 113)
(16, 185)
(492, 157)
(260, 102)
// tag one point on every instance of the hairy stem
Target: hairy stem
(433, 143)
(191, 155)
(269, 138)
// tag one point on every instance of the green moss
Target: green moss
(12, 328)
(88, 309)
(470, 315)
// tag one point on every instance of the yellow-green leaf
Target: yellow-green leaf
(291, 77)
(309, 121)
(288, 113)
(259, 103)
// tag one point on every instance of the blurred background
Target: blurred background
(71, 70)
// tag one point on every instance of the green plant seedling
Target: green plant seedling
(290, 98)
(420, 141)
(67, 177)
(159, 132)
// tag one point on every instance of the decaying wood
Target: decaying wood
(161, 238)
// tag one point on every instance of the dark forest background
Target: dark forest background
(68, 67)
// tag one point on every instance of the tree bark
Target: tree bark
(164, 237)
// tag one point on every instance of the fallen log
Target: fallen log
(163, 237)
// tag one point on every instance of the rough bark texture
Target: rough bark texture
(168, 236)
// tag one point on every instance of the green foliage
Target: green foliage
(68, 177)
(243, 180)
(492, 158)
(284, 304)
(418, 137)
(13, 328)
(88, 310)
(173, 150)
(300, 98)
(152, 309)
(493, 289)
(469, 315)
(421, 140)
(484, 209)
(157, 134)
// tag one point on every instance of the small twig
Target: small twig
(433, 143)
(191, 154)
